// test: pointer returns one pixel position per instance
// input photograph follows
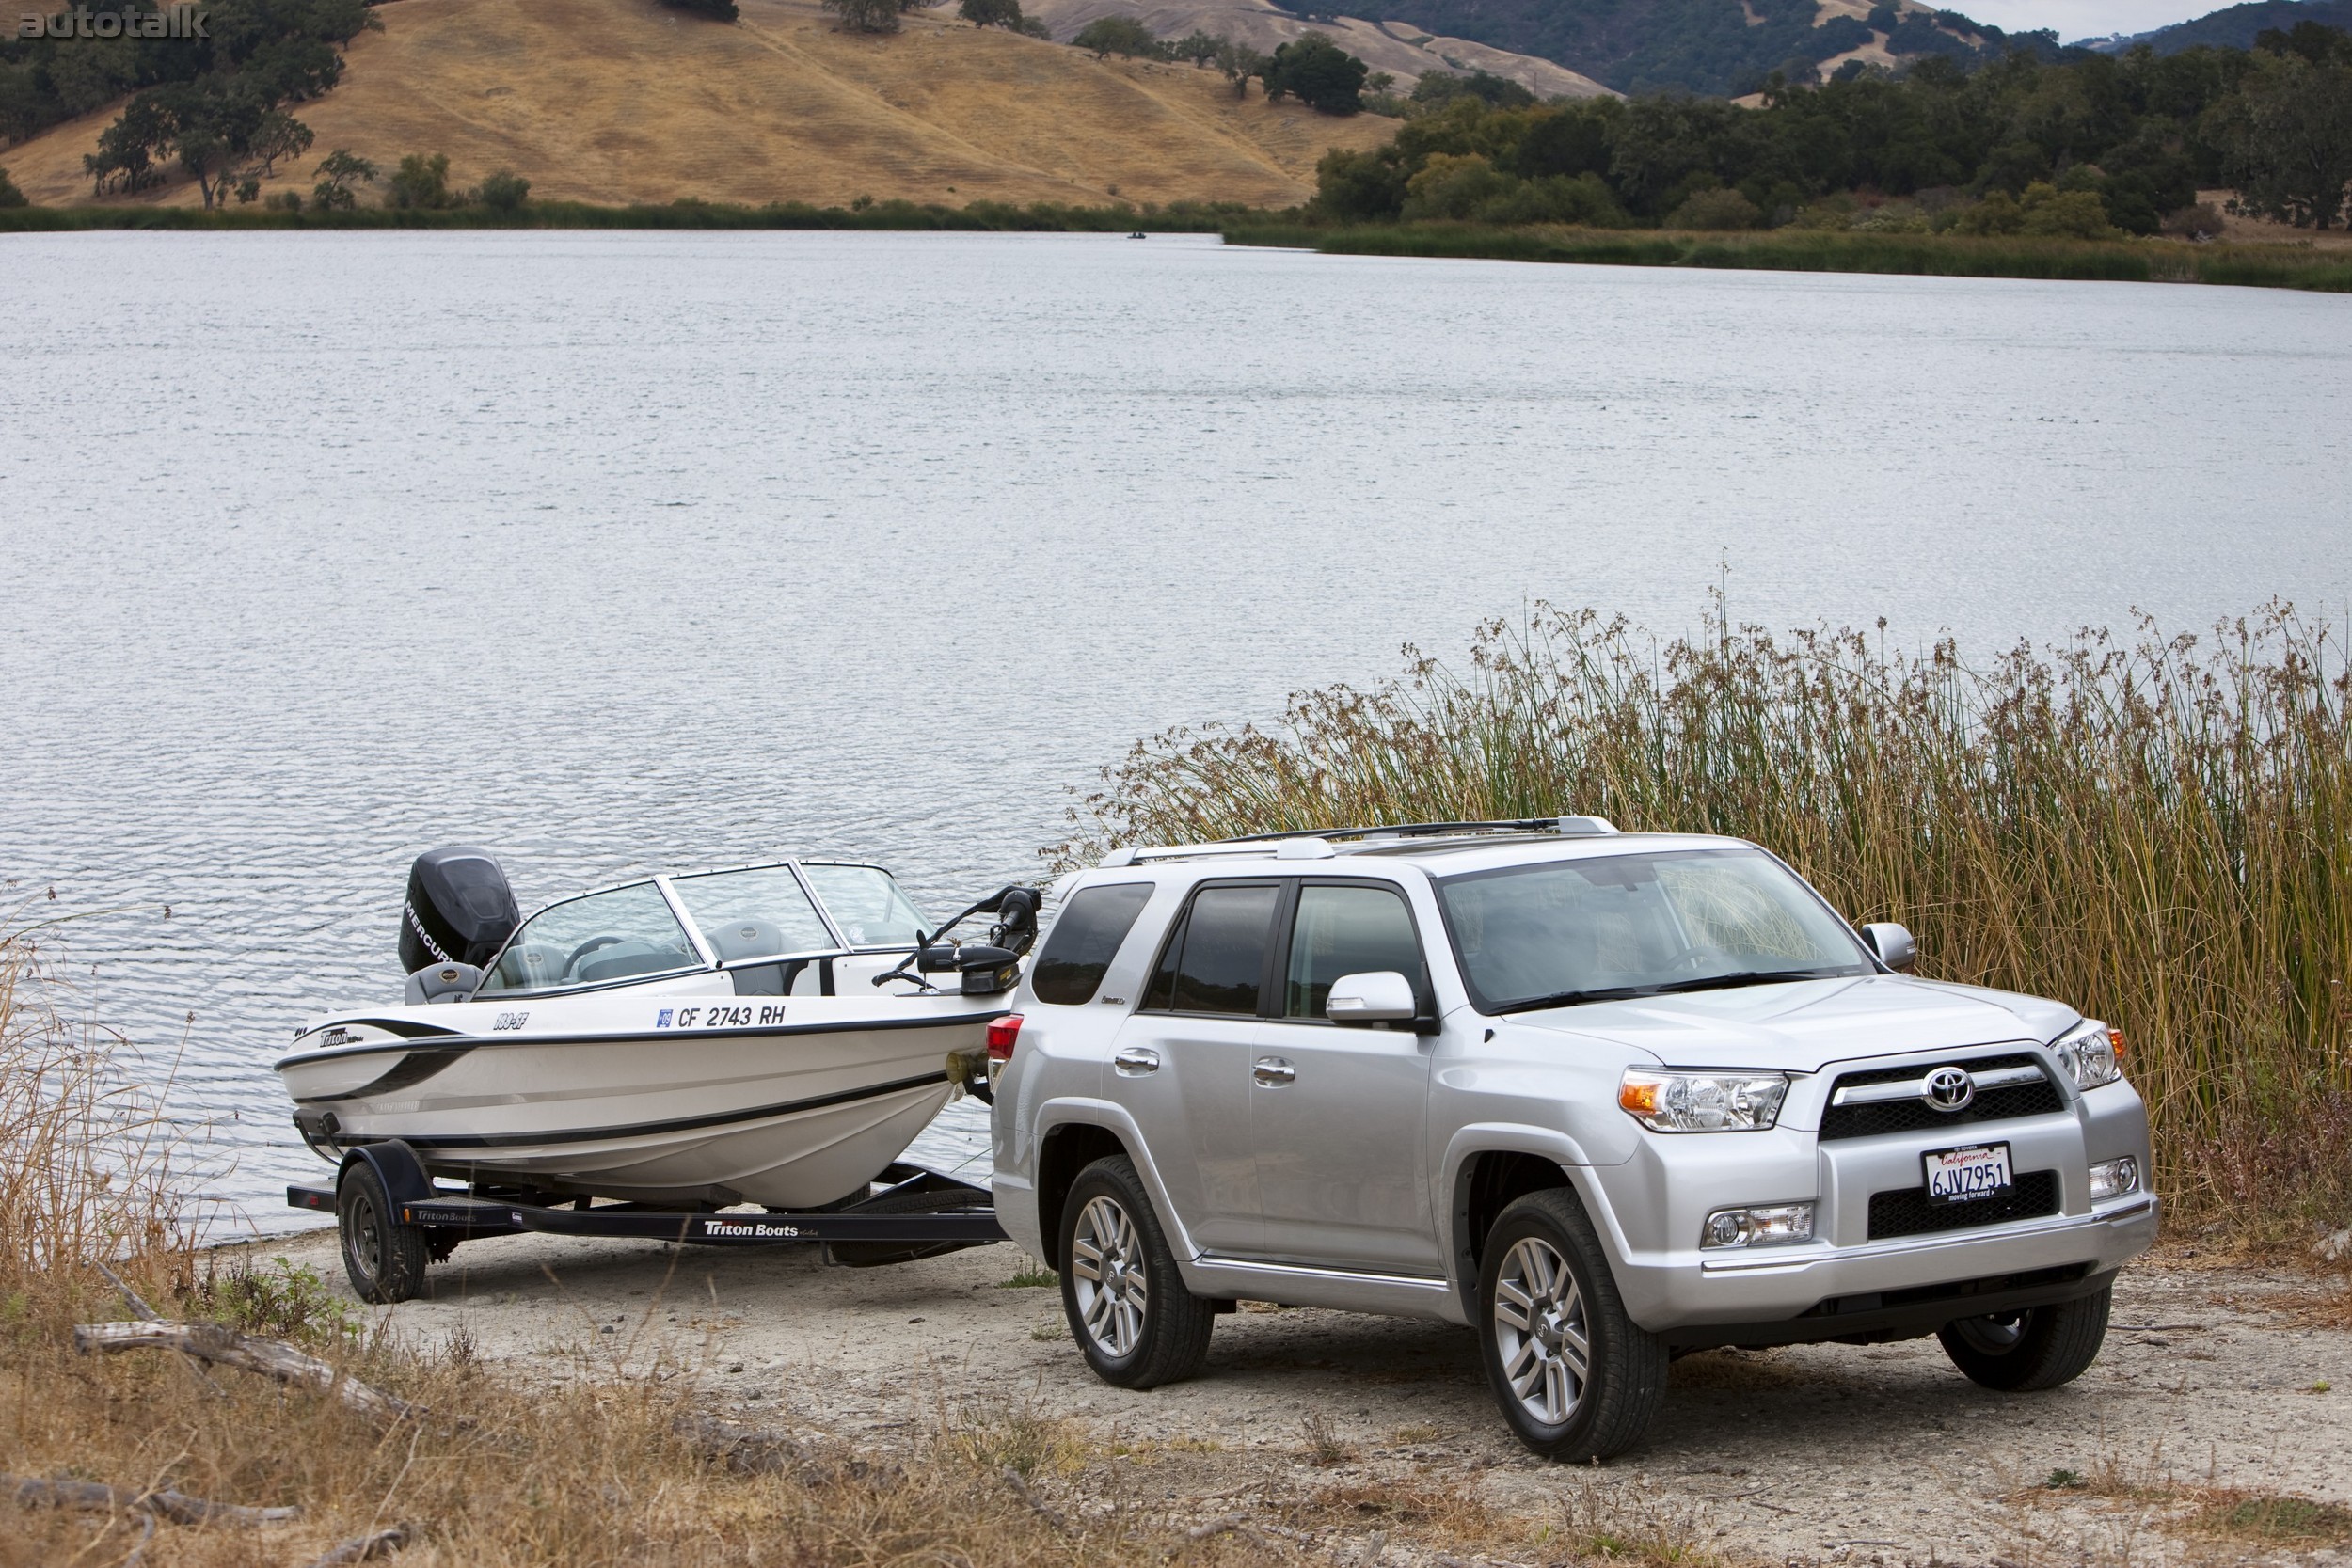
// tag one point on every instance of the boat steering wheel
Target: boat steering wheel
(585, 948)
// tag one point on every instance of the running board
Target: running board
(1302, 1285)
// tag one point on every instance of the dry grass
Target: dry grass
(597, 1452)
(621, 101)
(2157, 829)
(616, 1468)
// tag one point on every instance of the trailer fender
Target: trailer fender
(396, 1165)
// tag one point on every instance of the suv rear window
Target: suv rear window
(1085, 939)
(1215, 963)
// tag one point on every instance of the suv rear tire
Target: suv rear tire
(1127, 1305)
(2022, 1353)
(1576, 1378)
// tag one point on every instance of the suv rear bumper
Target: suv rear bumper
(1789, 1296)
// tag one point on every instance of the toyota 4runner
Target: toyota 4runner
(1601, 1096)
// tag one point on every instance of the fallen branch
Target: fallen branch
(170, 1504)
(139, 1308)
(361, 1548)
(225, 1347)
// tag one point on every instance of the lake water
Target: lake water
(627, 551)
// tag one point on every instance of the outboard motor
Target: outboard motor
(459, 910)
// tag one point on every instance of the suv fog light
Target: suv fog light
(1766, 1226)
(2113, 1178)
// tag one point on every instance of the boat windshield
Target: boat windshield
(865, 901)
(1600, 929)
(759, 914)
(617, 935)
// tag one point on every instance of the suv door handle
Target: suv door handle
(1134, 1061)
(1273, 1072)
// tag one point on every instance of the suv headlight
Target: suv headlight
(1702, 1102)
(2091, 1054)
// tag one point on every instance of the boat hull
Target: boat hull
(791, 1103)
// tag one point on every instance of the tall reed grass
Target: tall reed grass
(86, 1167)
(2157, 829)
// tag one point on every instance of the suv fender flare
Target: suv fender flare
(1113, 1118)
(1453, 1197)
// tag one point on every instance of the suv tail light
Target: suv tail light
(1001, 1036)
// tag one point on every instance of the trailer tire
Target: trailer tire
(383, 1257)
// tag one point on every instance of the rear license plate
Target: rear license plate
(1968, 1174)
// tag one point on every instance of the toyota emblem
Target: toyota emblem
(1948, 1088)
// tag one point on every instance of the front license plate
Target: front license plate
(1967, 1175)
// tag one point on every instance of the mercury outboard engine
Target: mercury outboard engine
(459, 910)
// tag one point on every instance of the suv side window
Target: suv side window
(1215, 961)
(1085, 939)
(1348, 930)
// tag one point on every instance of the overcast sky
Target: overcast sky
(2077, 19)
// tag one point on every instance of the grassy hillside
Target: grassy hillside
(1402, 50)
(1705, 46)
(620, 101)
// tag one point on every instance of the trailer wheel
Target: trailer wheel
(384, 1258)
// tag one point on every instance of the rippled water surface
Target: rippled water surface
(627, 552)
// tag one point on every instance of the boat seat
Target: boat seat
(442, 983)
(531, 965)
(624, 958)
(743, 937)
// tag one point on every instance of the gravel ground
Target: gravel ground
(2213, 1378)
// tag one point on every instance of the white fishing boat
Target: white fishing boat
(773, 1034)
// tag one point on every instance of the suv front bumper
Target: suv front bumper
(1788, 1296)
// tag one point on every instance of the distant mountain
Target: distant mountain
(1702, 46)
(2236, 27)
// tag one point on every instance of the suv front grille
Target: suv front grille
(2005, 1103)
(1906, 1212)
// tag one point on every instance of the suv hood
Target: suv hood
(1804, 1025)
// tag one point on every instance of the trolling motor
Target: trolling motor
(984, 968)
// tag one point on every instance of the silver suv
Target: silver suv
(1602, 1097)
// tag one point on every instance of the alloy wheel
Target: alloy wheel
(1106, 1265)
(1541, 1331)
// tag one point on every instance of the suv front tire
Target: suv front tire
(2024, 1352)
(1127, 1305)
(1576, 1378)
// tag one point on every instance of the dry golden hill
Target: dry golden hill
(621, 101)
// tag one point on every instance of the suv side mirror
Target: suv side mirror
(1382, 996)
(1893, 944)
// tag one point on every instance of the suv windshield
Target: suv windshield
(1640, 924)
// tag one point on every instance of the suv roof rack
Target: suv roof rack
(1566, 827)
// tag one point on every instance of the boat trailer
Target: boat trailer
(393, 1216)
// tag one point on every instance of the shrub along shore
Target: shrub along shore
(1812, 250)
(2155, 829)
(979, 217)
(1778, 251)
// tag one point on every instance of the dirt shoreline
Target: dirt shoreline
(1820, 1453)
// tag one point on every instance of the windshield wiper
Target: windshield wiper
(1670, 988)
